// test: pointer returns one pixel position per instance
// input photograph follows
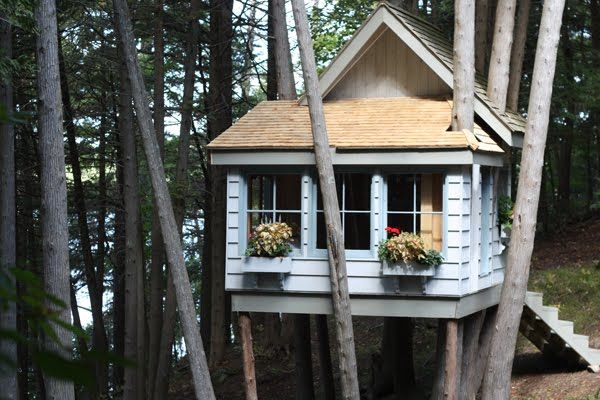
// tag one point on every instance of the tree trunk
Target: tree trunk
(303, 354)
(155, 314)
(496, 383)
(248, 356)
(481, 34)
(485, 340)
(220, 118)
(271, 69)
(498, 73)
(451, 368)
(160, 386)
(472, 331)
(326, 367)
(464, 65)
(518, 55)
(172, 240)
(99, 338)
(55, 230)
(286, 86)
(335, 241)
(8, 219)
(437, 391)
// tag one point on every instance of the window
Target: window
(354, 197)
(486, 220)
(275, 198)
(414, 204)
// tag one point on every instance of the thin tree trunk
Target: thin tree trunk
(303, 353)
(496, 383)
(485, 340)
(326, 367)
(248, 356)
(335, 242)
(472, 331)
(172, 240)
(99, 338)
(498, 73)
(8, 220)
(286, 86)
(464, 65)
(518, 55)
(451, 369)
(437, 391)
(481, 34)
(271, 68)
(155, 314)
(55, 230)
(220, 118)
(160, 386)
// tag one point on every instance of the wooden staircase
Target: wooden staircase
(554, 337)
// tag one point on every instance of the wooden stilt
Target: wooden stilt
(245, 324)
(451, 364)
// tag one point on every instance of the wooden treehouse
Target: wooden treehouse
(387, 100)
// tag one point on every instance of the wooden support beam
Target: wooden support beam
(245, 324)
(451, 357)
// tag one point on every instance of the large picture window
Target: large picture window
(354, 197)
(275, 198)
(414, 204)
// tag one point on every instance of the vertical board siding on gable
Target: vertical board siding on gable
(389, 69)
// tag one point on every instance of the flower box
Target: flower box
(505, 232)
(274, 265)
(407, 269)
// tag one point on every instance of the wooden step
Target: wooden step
(550, 314)
(581, 341)
(535, 299)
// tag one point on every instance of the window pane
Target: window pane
(287, 192)
(430, 226)
(357, 231)
(431, 188)
(400, 192)
(321, 233)
(293, 220)
(357, 192)
(338, 186)
(404, 222)
(260, 192)
(257, 218)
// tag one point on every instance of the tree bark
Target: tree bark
(335, 242)
(451, 368)
(485, 340)
(496, 383)
(498, 73)
(248, 356)
(464, 65)
(518, 55)
(437, 391)
(55, 230)
(172, 240)
(303, 354)
(8, 219)
(472, 330)
(481, 34)
(326, 367)
(157, 286)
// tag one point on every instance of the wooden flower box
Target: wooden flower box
(407, 269)
(273, 265)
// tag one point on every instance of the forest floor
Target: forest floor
(565, 267)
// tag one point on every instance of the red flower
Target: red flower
(392, 230)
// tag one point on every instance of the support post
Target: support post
(451, 357)
(245, 324)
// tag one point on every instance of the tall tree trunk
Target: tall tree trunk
(335, 242)
(133, 274)
(8, 219)
(172, 240)
(437, 390)
(220, 118)
(160, 385)
(464, 65)
(452, 365)
(498, 73)
(55, 230)
(286, 86)
(155, 314)
(248, 356)
(496, 383)
(99, 339)
(518, 55)
(481, 34)
(472, 331)
(302, 350)
(271, 68)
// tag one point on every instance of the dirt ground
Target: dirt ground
(533, 377)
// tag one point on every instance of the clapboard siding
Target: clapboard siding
(389, 69)
(310, 274)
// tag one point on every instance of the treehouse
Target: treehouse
(387, 100)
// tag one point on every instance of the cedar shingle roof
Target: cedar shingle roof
(435, 39)
(384, 123)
